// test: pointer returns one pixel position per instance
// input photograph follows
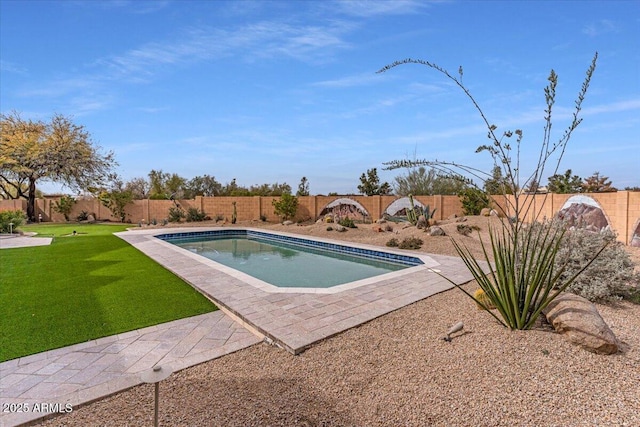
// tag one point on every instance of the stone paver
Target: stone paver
(84, 372)
(295, 320)
(291, 319)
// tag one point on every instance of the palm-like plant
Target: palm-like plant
(522, 279)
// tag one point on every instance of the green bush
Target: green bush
(286, 206)
(392, 243)
(195, 215)
(11, 217)
(176, 214)
(347, 222)
(473, 200)
(64, 206)
(83, 216)
(410, 243)
(467, 229)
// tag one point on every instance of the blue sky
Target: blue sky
(269, 92)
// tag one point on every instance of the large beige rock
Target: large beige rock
(578, 319)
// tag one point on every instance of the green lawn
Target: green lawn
(84, 287)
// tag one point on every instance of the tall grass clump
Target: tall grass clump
(523, 275)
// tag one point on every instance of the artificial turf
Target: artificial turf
(83, 287)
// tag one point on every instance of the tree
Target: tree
(286, 206)
(269, 189)
(533, 187)
(166, 185)
(371, 184)
(303, 187)
(597, 183)
(139, 188)
(115, 198)
(523, 278)
(59, 151)
(425, 182)
(64, 206)
(497, 184)
(473, 200)
(565, 184)
(205, 185)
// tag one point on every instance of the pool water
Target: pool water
(286, 264)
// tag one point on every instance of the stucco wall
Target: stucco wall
(622, 208)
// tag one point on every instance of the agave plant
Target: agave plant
(522, 277)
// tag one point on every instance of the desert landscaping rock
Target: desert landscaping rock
(434, 230)
(578, 319)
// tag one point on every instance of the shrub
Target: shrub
(64, 206)
(611, 276)
(410, 243)
(16, 218)
(347, 222)
(329, 228)
(467, 229)
(473, 200)
(195, 215)
(83, 216)
(263, 218)
(176, 214)
(286, 207)
(388, 227)
(392, 243)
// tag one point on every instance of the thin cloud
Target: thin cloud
(350, 81)
(11, 67)
(263, 39)
(366, 8)
(616, 107)
(603, 26)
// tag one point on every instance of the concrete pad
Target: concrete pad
(15, 241)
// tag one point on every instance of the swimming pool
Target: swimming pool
(287, 262)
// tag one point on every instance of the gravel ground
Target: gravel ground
(397, 371)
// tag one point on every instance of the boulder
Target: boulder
(436, 231)
(91, 219)
(422, 222)
(578, 319)
(287, 222)
(485, 212)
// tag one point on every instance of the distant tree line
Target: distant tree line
(163, 185)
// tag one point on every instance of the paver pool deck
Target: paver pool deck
(292, 320)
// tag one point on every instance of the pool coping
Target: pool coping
(427, 262)
(297, 320)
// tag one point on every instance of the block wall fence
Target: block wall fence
(622, 208)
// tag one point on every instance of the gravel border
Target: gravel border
(397, 370)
